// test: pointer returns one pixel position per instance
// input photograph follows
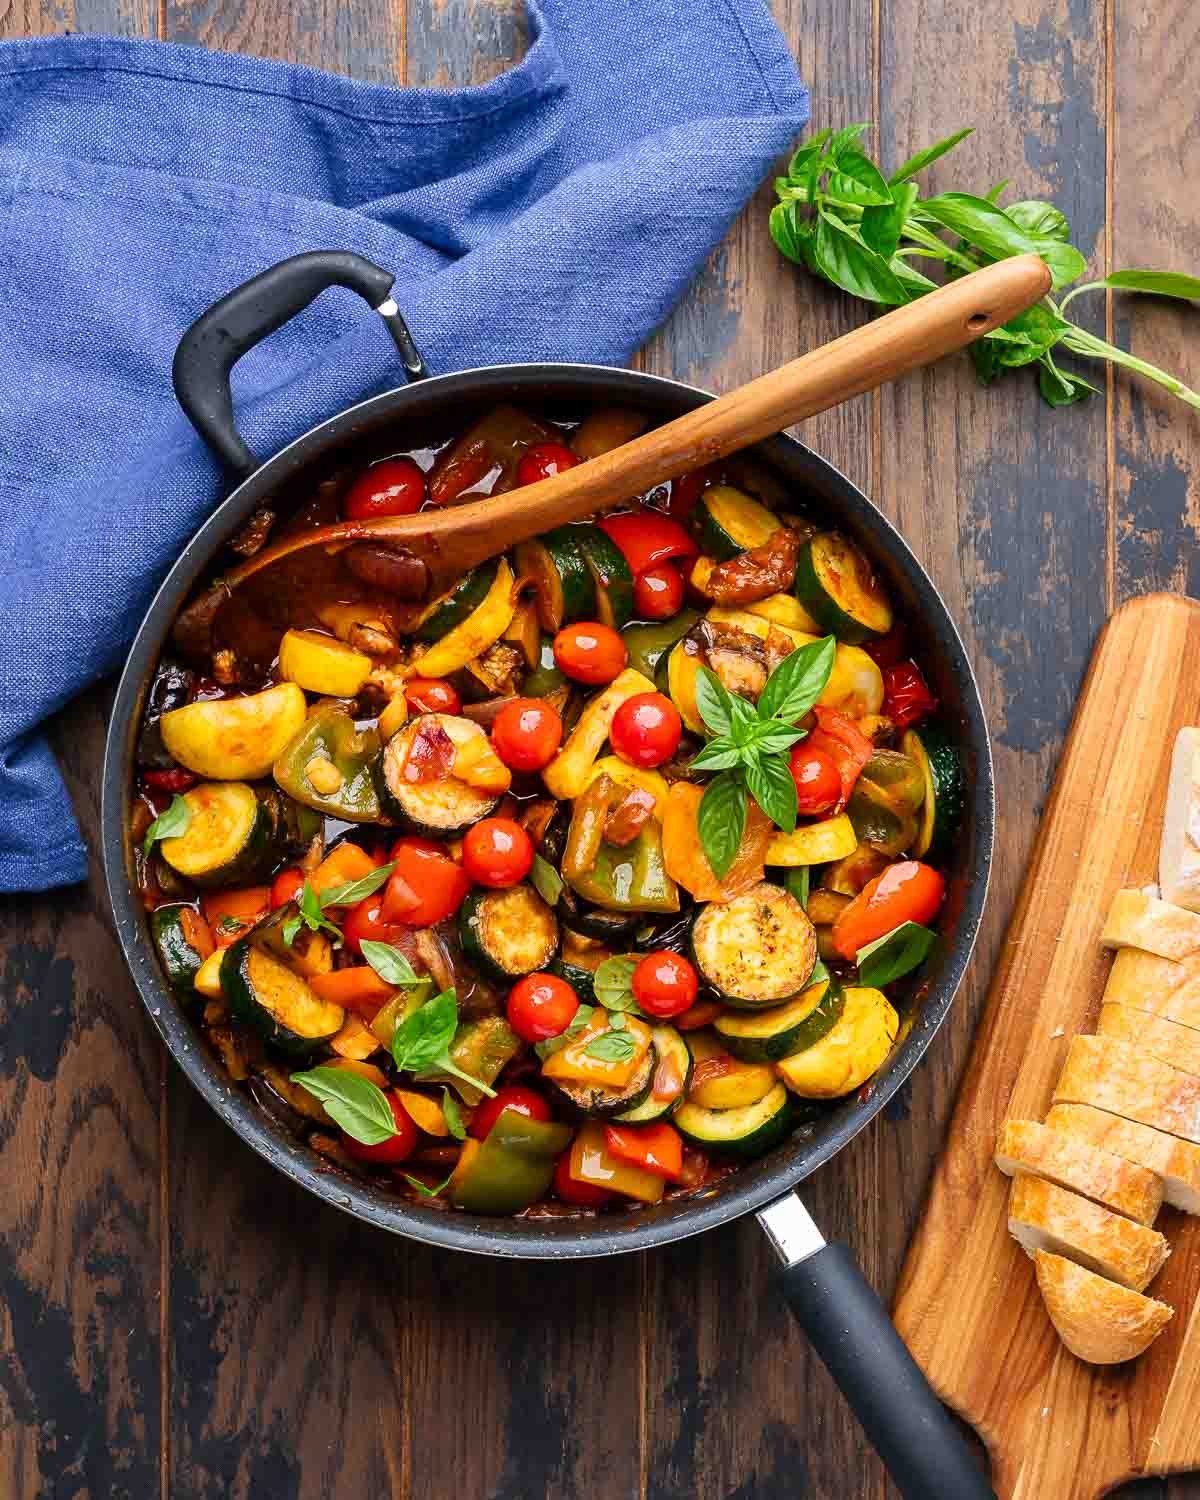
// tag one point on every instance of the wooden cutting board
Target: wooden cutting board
(967, 1304)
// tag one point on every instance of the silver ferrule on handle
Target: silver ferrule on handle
(790, 1229)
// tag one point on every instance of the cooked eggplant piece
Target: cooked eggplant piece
(170, 688)
(438, 803)
(508, 932)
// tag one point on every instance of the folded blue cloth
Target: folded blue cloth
(555, 213)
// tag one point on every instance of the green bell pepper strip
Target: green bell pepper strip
(510, 1168)
(633, 878)
(647, 645)
(885, 800)
(330, 734)
(547, 676)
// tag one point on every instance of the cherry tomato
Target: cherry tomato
(590, 652)
(544, 460)
(905, 892)
(396, 1148)
(431, 695)
(664, 984)
(287, 886)
(394, 487)
(526, 734)
(497, 852)
(175, 780)
(647, 538)
(582, 1194)
(906, 696)
(845, 744)
(366, 920)
(425, 886)
(818, 785)
(658, 592)
(525, 1101)
(541, 1006)
(646, 729)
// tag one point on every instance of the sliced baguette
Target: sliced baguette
(1159, 986)
(1043, 1216)
(1179, 852)
(1176, 1162)
(1136, 920)
(1108, 1179)
(1179, 1046)
(1124, 1080)
(1099, 1321)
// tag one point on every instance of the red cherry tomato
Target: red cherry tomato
(658, 592)
(175, 780)
(425, 886)
(647, 538)
(905, 892)
(366, 920)
(497, 852)
(431, 695)
(394, 487)
(543, 460)
(396, 1148)
(664, 984)
(525, 1101)
(541, 1006)
(906, 696)
(287, 887)
(818, 785)
(526, 734)
(590, 652)
(581, 1194)
(646, 729)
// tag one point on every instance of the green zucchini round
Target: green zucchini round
(667, 1042)
(508, 933)
(755, 951)
(581, 980)
(837, 585)
(599, 1103)
(453, 607)
(746, 1132)
(613, 580)
(730, 522)
(435, 808)
(564, 587)
(945, 797)
(276, 1001)
(764, 1036)
(179, 958)
(230, 837)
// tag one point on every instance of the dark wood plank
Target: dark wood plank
(107, 17)
(364, 39)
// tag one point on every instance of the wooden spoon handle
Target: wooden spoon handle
(452, 540)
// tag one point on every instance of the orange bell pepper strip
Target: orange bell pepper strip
(592, 1162)
(359, 989)
(231, 914)
(655, 1148)
(341, 865)
(683, 853)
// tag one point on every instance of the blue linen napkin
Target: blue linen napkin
(556, 212)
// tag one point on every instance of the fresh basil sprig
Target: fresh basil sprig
(172, 823)
(895, 954)
(612, 1046)
(421, 1044)
(840, 217)
(389, 963)
(613, 983)
(359, 1106)
(354, 891)
(309, 914)
(749, 746)
(547, 882)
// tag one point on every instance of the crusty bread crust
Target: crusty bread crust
(1043, 1216)
(1176, 1162)
(1178, 1046)
(1161, 986)
(1099, 1321)
(1071, 1162)
(1121, 1078)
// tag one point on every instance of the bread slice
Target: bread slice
(1179, 852)
(1114, 1181)
(1160, 986)
(1176, 1162)
(1099, 1321)
(1124, 1080)
(1136, 920)
(1167, 1040)
(1042, 1216)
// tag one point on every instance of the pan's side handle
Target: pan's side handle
(850, 1329)
(215, 342)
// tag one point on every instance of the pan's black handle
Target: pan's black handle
(218, 338)
(909, 1427)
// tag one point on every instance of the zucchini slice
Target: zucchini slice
(482, 628)
(322, 664)
(508, 932)
(581, 980)
(612, 578)
(276, 1001)
(730, 522)
(450, 609)
(229, 838)
(813, 843)
(175, 937)
(671, 1049)
(601, 1103)
(768, 1035)
(755, 950)
(849, 1053)
(683, 667)
(836, 584)
(235, 739)
(564, 586)
(746, 1132)
(432, 807)
(941, 767)
(742, 1083)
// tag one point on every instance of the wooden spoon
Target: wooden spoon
(442, 545)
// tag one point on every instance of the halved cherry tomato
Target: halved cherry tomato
(686, 491)
(541, 1006)
(665, 984)
(366, 920)
(544, 460)
(905, 892)
(497, 852)
(658, 592)
(393, 487)
(845, 744)
(655, 1148)
(590, 652)
(527, 734)
(396, 1148)
(581, 1194)
(287, 886)
(425, 886)
(647, 538)
(818, 785)
(525, 1101)
(906, 696)
(431, 695)
(646, 729)
(174, 780)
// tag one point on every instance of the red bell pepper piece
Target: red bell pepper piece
(654, 1148)
(175, 780)
(845, 744)
(686, 491)
(888, 649)
(906, 696)
(647, 537)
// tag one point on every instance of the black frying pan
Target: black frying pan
(846, 1323)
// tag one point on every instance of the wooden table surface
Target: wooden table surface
(179, 1320)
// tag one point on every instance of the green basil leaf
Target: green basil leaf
(745, 720)
(556, 1043)
(388, 962)
(291, 926)
(424, 1039)
(771, 785)
(1059, 387)
(612, 1046)
(913, 281)
(819, 973)
(613, 982)
(359, 1106)
(354, 891)
(773, 738)
(547, 882)
(453, 1116)
(229, 925)
(616, 1020)
(717, 755)
(792, 233)
(722, 820)
(310, 912)
(714, 701)
(881, 227)
(806, 154)
(896, 953)
(858, 180)
(991, 230)
(427, 1192)
(171, 823)
(993, 194)
(1029, 336)
(797, 882)
(1040, 218)
(845, 139)
(842, 257)
(985, 356)
(1158, 283)
(922, 159)
(798, 681)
